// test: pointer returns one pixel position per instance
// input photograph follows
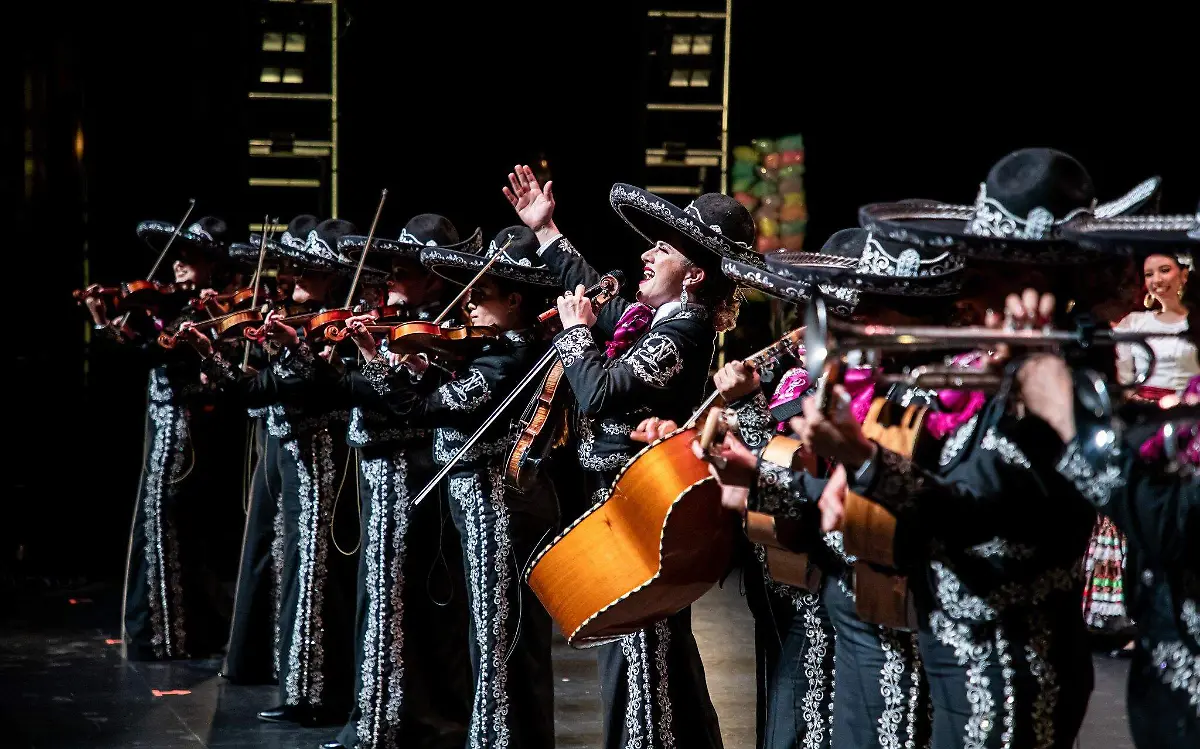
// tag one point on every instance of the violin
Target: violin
(228, 301)
(543, 425)
(135, 294)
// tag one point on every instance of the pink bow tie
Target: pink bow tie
(633, 322)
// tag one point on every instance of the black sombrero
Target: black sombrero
(206, 234)
(1136, 235)
(288, 246)
(519, 261)
(858, 259)
(1018, 214)
(316, 249)
(421, 231)
(712, 223)
(839, 300)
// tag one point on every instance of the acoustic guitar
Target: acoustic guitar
(882, 595)
(654, 545)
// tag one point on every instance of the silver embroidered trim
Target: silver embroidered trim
(754, 421)
(572, 344)
(974, 655)
(1037, 652)
(306, 655)
(587, 450)
(381, 696)
(897, 482)
(699, 230)
(465, 394)
(876, 260)
(812, 706)
(894, 662)
(1179, 668)
(164, 466)
(773, 487)
(376, 372)
(957, 441)
(991, 219)
(1096, 486)
(1009, 453)
(655, 360)
(448, 441)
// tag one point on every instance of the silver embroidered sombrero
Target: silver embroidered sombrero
(421, 231)
(1018, 214)
(518, 261)
(857, 259)
(207, 234)
(712, 223)
(839, 300)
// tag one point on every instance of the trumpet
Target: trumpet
(827, 340)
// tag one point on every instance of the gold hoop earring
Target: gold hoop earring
(1148, 302)
(1179, 293)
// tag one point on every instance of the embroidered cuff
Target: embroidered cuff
(376, 372)
(892, 480)
(1095, 484)
(755, 422)
(553, 239)
(572, 343)
(217, 369)
(298, 360)
(777, 491)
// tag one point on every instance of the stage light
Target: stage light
(272, 41)
(270, 75)
(293, 76)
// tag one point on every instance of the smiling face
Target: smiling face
(1164, 278)
(665, 273)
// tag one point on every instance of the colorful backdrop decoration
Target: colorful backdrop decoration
(768, 178)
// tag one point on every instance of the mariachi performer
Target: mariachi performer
(172, 607)
(509, 632)
(994, 533)
(882, 692)
(412, 678)
(627, 361)
(252, 655)
(794, 639)
(316, 616)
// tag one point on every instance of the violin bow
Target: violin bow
(366, 248)
(167, 246)
(491, 261)
(262, 253)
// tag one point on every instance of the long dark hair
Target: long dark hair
(1190, 298)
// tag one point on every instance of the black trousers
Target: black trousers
(412, 682)
(316, 616)
(1162, 716)
(509, 631)
(794, 654)
(652, 682)
(175, 605)
(882, 698)
(1023, 681)
(253, 654)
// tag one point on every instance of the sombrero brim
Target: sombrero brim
(839, 300)
(460, 267)
(943, 225)
(656, 219)
(156, 234)
(820, 268)
(352, 246)
(304, 259)
(1129, 236)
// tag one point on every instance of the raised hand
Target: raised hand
(534, 206)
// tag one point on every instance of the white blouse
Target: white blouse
(1175, 360)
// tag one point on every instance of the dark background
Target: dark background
(439, 100)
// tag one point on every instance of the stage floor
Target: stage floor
(63, 684)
